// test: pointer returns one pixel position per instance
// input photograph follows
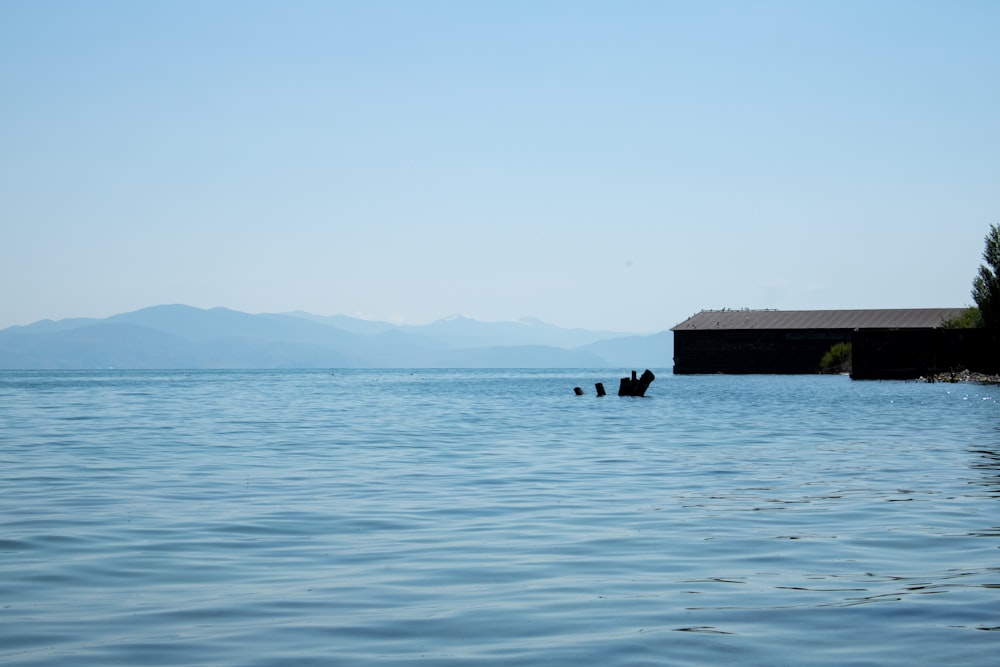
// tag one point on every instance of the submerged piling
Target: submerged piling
(634, 386)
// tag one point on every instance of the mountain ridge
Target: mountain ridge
(172, 336)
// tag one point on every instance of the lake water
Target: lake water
(495, 518)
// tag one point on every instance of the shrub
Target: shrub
(837, 359)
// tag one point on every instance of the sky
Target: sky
(614, 165)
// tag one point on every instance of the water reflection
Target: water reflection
(987, 464)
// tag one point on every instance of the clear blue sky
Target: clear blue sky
(614, 165)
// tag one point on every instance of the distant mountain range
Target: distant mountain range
(178, 336)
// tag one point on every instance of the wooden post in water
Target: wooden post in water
(625, 386)
(634, 386)
(600, 389)
(644, 381)
(578, 391)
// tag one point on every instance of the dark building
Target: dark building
(783, 341)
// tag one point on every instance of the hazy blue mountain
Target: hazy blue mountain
(179, 336)
(350, 324)
(459, 331)
(219, 323)
(655, 351)
(50, 326)
(100, 345)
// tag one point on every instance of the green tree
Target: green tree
(986, 286)
(837, 359)
(970, 318)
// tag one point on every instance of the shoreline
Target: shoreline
(963, 376)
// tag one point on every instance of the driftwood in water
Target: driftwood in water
(634, 386)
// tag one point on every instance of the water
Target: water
(494, 518)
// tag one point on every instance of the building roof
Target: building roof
(899, 318)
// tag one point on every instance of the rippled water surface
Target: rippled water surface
(494, 518)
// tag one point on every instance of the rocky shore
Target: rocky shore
(963, 376)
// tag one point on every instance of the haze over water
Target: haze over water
(494, 518)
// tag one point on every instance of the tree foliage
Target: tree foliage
(986, 286)
(837, 359)
(970, 318)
